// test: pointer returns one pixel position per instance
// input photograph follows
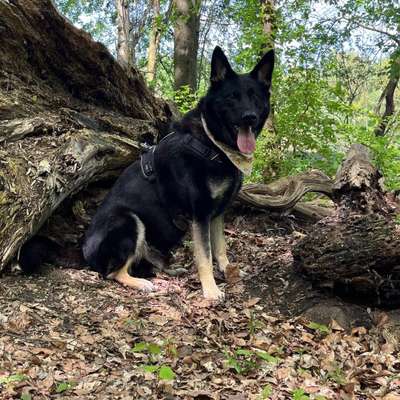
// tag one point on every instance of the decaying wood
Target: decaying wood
(357, 250)
(69, 115)
(284, 194)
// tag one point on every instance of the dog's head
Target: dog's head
(237, 105)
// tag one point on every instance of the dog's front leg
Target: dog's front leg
(218, 244)
(203, 260)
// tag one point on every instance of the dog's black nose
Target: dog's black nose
(249, 118)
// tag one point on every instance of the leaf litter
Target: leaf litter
(69, 334)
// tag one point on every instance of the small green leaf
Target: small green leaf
(140, 347)
(244, 352)
(266, 392)
(26, 396)
(166, 373)
(321, 328)
(267, 357)
(299, 394)
(151, 368)
(154, 348)
(232, 362)
(12, 378)
(63, 386)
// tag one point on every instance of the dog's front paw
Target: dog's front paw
(145, 286)
(213, 293)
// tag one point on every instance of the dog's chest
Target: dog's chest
(220, 187)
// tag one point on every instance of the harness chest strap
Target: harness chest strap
(147, 162)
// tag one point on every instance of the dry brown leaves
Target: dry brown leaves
(70, 335)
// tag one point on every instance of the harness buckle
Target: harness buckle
(147, 163)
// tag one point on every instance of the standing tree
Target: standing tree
(154, 41)
(388, 93)
(124, 45)
(186, 43)
(268, 9)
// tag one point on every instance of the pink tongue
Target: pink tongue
(246, 141)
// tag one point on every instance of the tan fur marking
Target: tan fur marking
(122, 276)
(218, 187)
(218, 243)
(204, 266)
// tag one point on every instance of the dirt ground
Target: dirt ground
(69, 334)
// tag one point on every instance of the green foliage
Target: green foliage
(266, 392)
(166, 373)
(26, 396)
(320, 328)
(185, 99)
(64, 386)
(140, 347)
(12, 378)
(299, 394)
(94, 16)
(156, 353)
(244, 361)
(333, 62)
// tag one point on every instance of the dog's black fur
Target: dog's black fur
(186, 183)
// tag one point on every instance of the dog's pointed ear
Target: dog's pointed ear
(263, 70)
(220, 67)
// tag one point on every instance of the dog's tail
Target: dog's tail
(35, 252)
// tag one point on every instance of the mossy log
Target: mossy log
(357, 250)
(69, 115)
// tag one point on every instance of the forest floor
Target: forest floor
(69, 334)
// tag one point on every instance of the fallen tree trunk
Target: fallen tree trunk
(283, 195)
(357, 250)
(69, 115)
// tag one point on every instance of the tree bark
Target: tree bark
(186, 43)
(283, 194)
(268, 7)
(154, 43)
(124, 45)
(269, 21)
(357, 250)
(69, 115)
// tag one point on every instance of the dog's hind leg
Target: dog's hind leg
(218, 244)
(122, 275)
(154, 258)
(202, 256)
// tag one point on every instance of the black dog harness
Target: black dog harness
(202, 150)
(149, 172)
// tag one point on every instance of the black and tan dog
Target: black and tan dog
(193, 173)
